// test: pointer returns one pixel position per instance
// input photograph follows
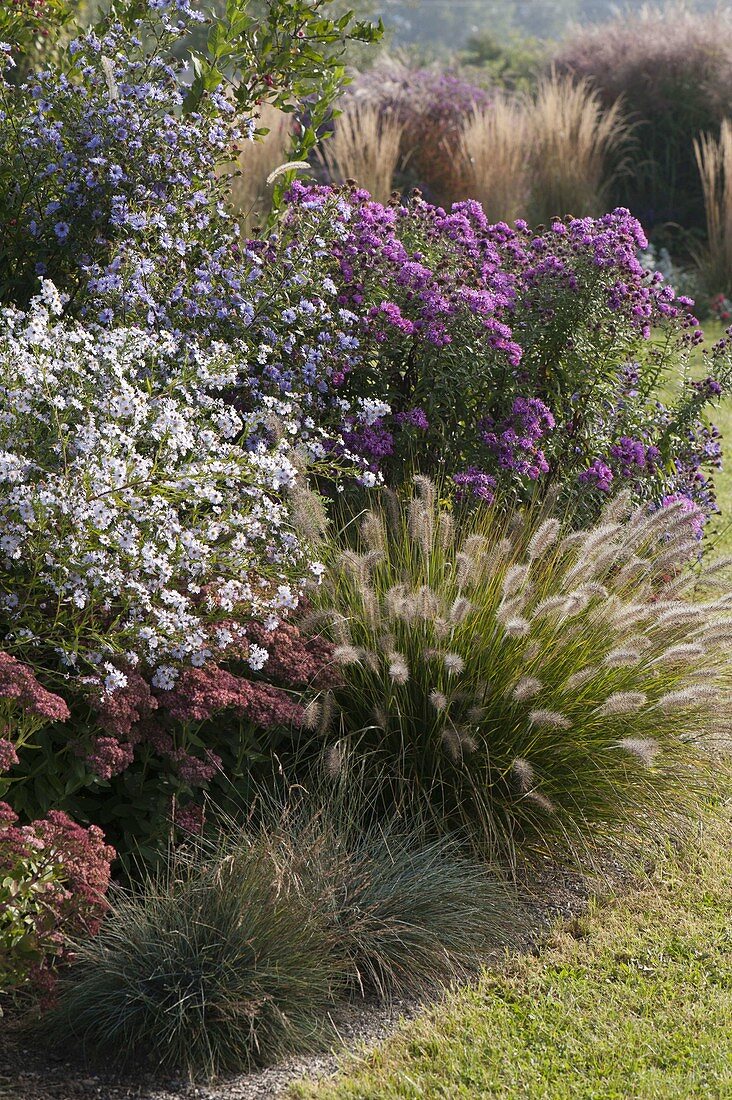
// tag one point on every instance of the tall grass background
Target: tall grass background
(577, 148)
(365, 146)
(250, 192)
(494, 162)
(714, 160)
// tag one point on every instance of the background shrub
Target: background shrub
(430, 104)
(526, 687)
(509, 61)
(673, 68)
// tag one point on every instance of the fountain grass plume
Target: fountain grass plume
(558, 652)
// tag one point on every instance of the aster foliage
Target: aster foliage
(527, 685)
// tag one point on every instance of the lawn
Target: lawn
(634, 999)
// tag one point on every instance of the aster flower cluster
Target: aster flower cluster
(515, 440)
(114, 195)
(528, 357)
(107, 176)
(54, 876)
(132, 515)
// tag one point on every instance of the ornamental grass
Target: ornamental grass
(409, 911)
(209, 969)
(535, 689)
(365, 146)
(250, 944)
(714, 160)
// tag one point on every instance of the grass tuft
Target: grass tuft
(213, 969)
(559, 648)
(249, 945)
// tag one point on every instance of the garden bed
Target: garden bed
(360, 616)
(554, 895)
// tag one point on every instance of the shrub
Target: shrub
(577, 145)
(244, 949)
(53, 878)
(673, 68)
(714, 160)
(525, 686)
(512, 62)
(512, 359)
(366, 146)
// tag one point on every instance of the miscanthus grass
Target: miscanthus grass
(530, 687)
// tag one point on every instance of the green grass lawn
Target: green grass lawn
(631, 1002)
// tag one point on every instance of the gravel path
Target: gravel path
(32, 1074)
